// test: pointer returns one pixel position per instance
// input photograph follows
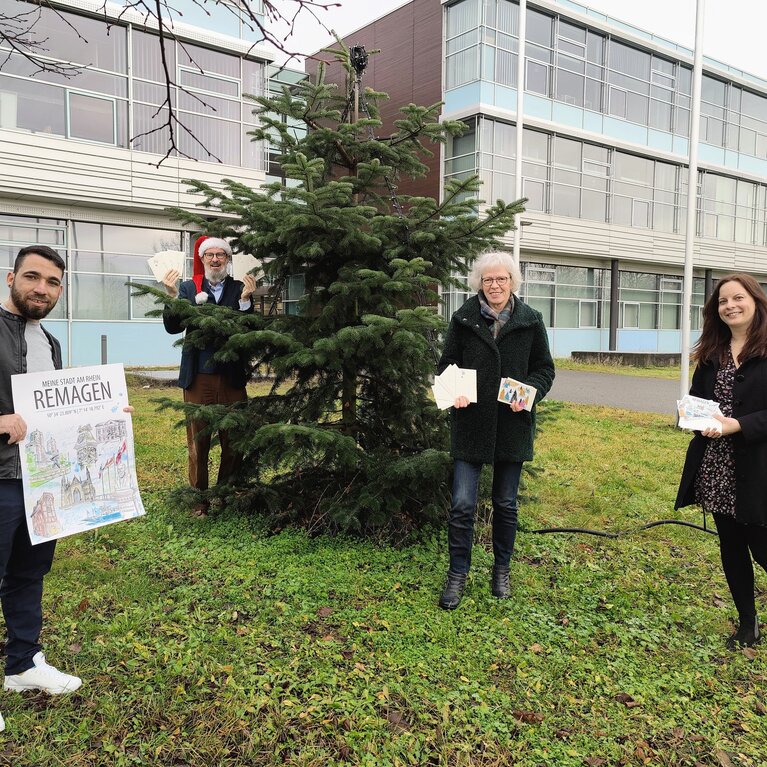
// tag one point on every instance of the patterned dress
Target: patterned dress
(715, 480)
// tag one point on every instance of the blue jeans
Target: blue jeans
(461, 527)
(22, 568)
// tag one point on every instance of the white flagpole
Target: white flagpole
(692, 198)
(522, 27)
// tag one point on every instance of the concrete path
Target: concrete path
(648, 395)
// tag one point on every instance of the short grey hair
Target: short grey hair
(495, 258)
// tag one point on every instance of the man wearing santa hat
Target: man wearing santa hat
(206, 381)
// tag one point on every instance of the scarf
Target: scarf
(499, 318)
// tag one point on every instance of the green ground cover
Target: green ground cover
(658, 371)
(212, 643)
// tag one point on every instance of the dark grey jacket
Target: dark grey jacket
(749, 407)
(489, 431)
(13, 359)
(234, 373)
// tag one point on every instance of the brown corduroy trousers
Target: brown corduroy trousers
(210, 390)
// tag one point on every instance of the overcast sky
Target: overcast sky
(734, 30)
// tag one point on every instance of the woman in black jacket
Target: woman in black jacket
(726, 469)
(499, 336)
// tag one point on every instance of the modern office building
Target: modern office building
(604, 165)
(83, 148)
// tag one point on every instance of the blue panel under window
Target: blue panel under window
(669, 341)
(681, 146)
(567, 114)
(537, 106)
(459, 98)
(487, 92)
(506, 98)
(565, 341)
(659, 139)
(708, 153)
(625, 131)
(753, 165)
(133, 343)
(593, 121)
(638, 340)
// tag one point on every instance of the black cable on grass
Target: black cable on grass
(621, 533)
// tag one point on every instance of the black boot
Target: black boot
(453, 591)
(499, 583)
(747, 634)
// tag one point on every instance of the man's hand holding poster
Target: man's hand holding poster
(77, 461)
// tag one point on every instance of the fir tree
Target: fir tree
(348, 437)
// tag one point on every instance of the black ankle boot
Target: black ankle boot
(453, 591)
(747, 634)
(499, 583)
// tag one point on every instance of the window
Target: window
(539, 287)
(91, 117)
(670, 303)
(587, 314)
(639, 297)
(462, 43)
(18, 231)
(64, 34)
(630, 315)
(104, 257)
(293, 294)
(537, 77)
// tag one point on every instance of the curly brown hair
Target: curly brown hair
(715, 336)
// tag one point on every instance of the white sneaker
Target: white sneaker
(42, 677)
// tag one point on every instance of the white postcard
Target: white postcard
(77, 461)
(161, 263)
(242, 263)
(512, 390)
(454, 382)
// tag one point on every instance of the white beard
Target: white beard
(215, 276)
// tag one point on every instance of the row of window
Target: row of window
(586, 68)
(121, 100)
(102, 258)
(579, 297)
(567, 177)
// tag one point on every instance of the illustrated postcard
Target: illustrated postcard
(511, 391)
(697, 414)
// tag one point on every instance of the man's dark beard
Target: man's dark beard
(29, 312)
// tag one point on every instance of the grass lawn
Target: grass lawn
(670, 372)
(209, 643)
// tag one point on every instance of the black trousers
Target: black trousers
(737, 544)
(22, 569)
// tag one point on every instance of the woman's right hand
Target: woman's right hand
(461, 402)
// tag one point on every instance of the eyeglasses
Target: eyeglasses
(499, 281)
(208, 256)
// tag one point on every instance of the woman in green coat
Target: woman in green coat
(499, 336)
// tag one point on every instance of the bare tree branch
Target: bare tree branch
(18, 36)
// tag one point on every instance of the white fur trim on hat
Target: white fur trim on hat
(215, 242)
(201, 297)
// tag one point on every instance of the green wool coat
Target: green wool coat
(488, 431)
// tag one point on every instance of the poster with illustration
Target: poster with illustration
(77, 460)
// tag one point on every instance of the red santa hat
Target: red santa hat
(198, 267)
(202, 244)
